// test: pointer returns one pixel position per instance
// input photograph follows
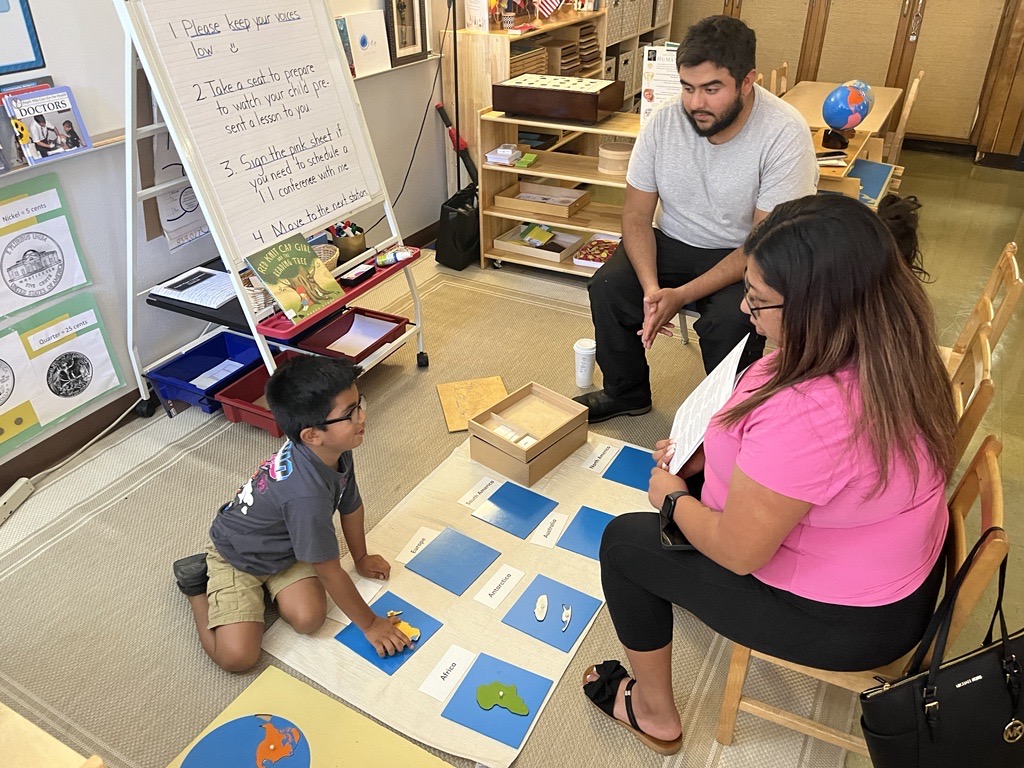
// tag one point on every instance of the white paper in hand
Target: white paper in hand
(694, 415)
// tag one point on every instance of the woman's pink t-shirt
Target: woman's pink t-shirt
(851, 548)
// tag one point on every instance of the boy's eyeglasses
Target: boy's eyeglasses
(349, 414)
(754, 310)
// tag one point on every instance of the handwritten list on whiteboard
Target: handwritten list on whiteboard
(267, 112)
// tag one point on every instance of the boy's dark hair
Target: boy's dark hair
(900, 217)
(301, 392)
(724, 41)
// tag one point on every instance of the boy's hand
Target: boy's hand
(385, 637)
(373, 567)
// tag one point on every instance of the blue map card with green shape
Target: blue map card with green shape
(427, 626)
(583, 536)
(522, 691)
(453, 560)
(631, 467)
(552, 612)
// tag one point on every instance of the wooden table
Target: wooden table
(808, 96)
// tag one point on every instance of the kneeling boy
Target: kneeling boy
(278, 531)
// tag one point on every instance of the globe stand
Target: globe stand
(833, 139)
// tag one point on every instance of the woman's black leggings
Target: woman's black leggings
(642, 581)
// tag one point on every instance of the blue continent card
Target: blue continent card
(497, 722)
(353, 637)
(583, 536)
(515, 509)
(553, 629)
(453, 560)
(631, 467)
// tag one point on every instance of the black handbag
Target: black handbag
(965, 712)
(458, 234)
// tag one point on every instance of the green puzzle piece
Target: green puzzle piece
(502, 695)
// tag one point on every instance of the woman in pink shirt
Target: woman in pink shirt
(816, 506)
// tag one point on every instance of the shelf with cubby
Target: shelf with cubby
(561, 168)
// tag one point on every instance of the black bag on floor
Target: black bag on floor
(963, 712)
(458, 234)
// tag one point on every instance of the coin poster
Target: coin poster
(51, 364)
(39, 254)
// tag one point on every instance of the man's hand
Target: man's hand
(385, 637)
(373, 567)
(660, 308)
(662, 484)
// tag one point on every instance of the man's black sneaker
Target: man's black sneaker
(603, 407)
(190, 573)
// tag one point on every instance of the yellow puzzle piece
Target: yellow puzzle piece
(405, 627)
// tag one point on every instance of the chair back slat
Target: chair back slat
(1005, 281)
(973, 389)
(896, 140)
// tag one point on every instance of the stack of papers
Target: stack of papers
(506, 154)
(202, 286)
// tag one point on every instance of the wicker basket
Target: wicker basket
(328, 254)
(259, 297)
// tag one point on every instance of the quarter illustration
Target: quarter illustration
(32, 264)
(6, 381)
(69, 374)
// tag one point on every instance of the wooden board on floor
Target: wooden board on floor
(337, 735)
(23, 743)
(462, 400)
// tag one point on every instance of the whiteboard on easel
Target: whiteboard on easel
(263, 112)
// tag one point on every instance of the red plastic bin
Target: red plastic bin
(319, 341)
(240, 399)
(280, 328)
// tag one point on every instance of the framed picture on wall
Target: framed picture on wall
(407, 30)
(20, 51)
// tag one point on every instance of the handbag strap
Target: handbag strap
(943, 616)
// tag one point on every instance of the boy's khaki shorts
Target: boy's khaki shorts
(236, 596)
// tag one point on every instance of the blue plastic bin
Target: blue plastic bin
(173, 378)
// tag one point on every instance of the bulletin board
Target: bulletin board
(263, 111)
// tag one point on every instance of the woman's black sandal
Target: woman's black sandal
(602, 692)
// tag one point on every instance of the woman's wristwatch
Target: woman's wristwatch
(669, 505)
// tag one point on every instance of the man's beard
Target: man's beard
(721, 123)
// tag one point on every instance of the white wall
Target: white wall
(83, 47)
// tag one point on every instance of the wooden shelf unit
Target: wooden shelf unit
(484, 60)
(568, 169)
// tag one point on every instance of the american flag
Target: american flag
(546, 7)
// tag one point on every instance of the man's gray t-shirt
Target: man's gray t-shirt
(708, 192)
(284, 513)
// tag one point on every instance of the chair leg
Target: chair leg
(733, 692)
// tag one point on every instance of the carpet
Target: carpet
(97, 645)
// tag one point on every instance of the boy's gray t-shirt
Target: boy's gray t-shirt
(708, 192)
(284, 513)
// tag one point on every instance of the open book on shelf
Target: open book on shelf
(201, 286)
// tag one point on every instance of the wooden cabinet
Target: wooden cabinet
(568, 169)
(623, 27)
(883, 42)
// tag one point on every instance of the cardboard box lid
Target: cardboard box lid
(528, 421)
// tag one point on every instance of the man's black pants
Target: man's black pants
(617, 307)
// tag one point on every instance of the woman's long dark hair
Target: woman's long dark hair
(852, 302)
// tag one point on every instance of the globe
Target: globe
(847, 105)
(254, 741)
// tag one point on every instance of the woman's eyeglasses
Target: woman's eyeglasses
(349, 414)
(754, 310)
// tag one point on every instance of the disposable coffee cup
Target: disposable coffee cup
(586, 350)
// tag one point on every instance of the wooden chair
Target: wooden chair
(983, 480)
(973, 388)
(894, 139)
(778, 83)
(1002, 290)
(982, 314)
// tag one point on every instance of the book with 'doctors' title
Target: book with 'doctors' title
(47, 123)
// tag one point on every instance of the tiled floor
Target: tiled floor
(968, 214)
